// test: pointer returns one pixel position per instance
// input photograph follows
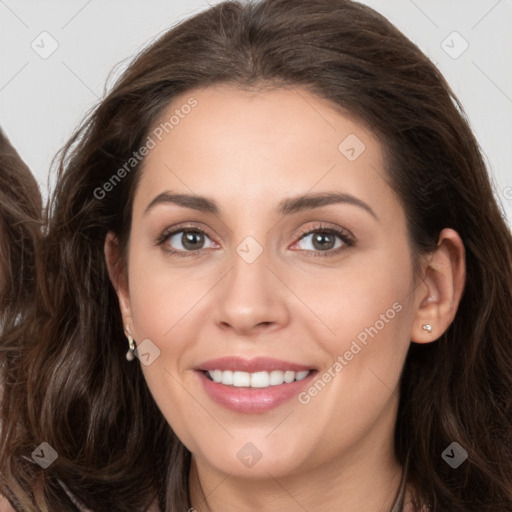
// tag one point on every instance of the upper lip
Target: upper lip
(257, 364)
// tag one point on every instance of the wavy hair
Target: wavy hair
(20, 223)
(20, 236)
(74, 388)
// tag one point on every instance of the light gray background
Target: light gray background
(43, 99)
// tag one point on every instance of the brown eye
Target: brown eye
(185, 241)
(322, 240)
(192, 240)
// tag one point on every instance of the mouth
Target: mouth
(253, 386)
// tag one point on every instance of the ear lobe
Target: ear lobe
(439, 294)
(118, 276)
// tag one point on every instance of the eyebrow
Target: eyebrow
(286, 207)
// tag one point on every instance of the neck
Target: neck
(370, 477)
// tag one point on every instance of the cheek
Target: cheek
(364, 299)
(368, 314)
(161, 296)
(163, 303)
(365, 312)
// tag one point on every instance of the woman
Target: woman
(282, 214)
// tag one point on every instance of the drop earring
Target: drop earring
(427, 327)
(130, 356)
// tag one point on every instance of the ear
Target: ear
(438, 296)
(118, 276)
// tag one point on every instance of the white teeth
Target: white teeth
(257, 379)
(260, 380)
(227, 377)
(276, 378)
(289, 376)
(241, 379)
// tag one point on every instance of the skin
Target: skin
(248, 151)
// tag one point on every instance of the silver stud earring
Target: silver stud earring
(130, 356)
(427, 327)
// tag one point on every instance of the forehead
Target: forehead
(259, 146)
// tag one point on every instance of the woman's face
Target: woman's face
(296, 268)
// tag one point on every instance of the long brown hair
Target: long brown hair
(75, 389)
(20, 224)
(20, 235)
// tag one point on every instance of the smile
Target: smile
(263, 379)
(252, 385)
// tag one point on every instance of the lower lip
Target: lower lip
(252, 400)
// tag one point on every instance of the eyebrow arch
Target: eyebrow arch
(286, 207)
(309, 201)
(200, 203)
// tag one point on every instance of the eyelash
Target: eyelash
(343, 234)
(347, 240)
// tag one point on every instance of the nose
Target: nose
(252, 298)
